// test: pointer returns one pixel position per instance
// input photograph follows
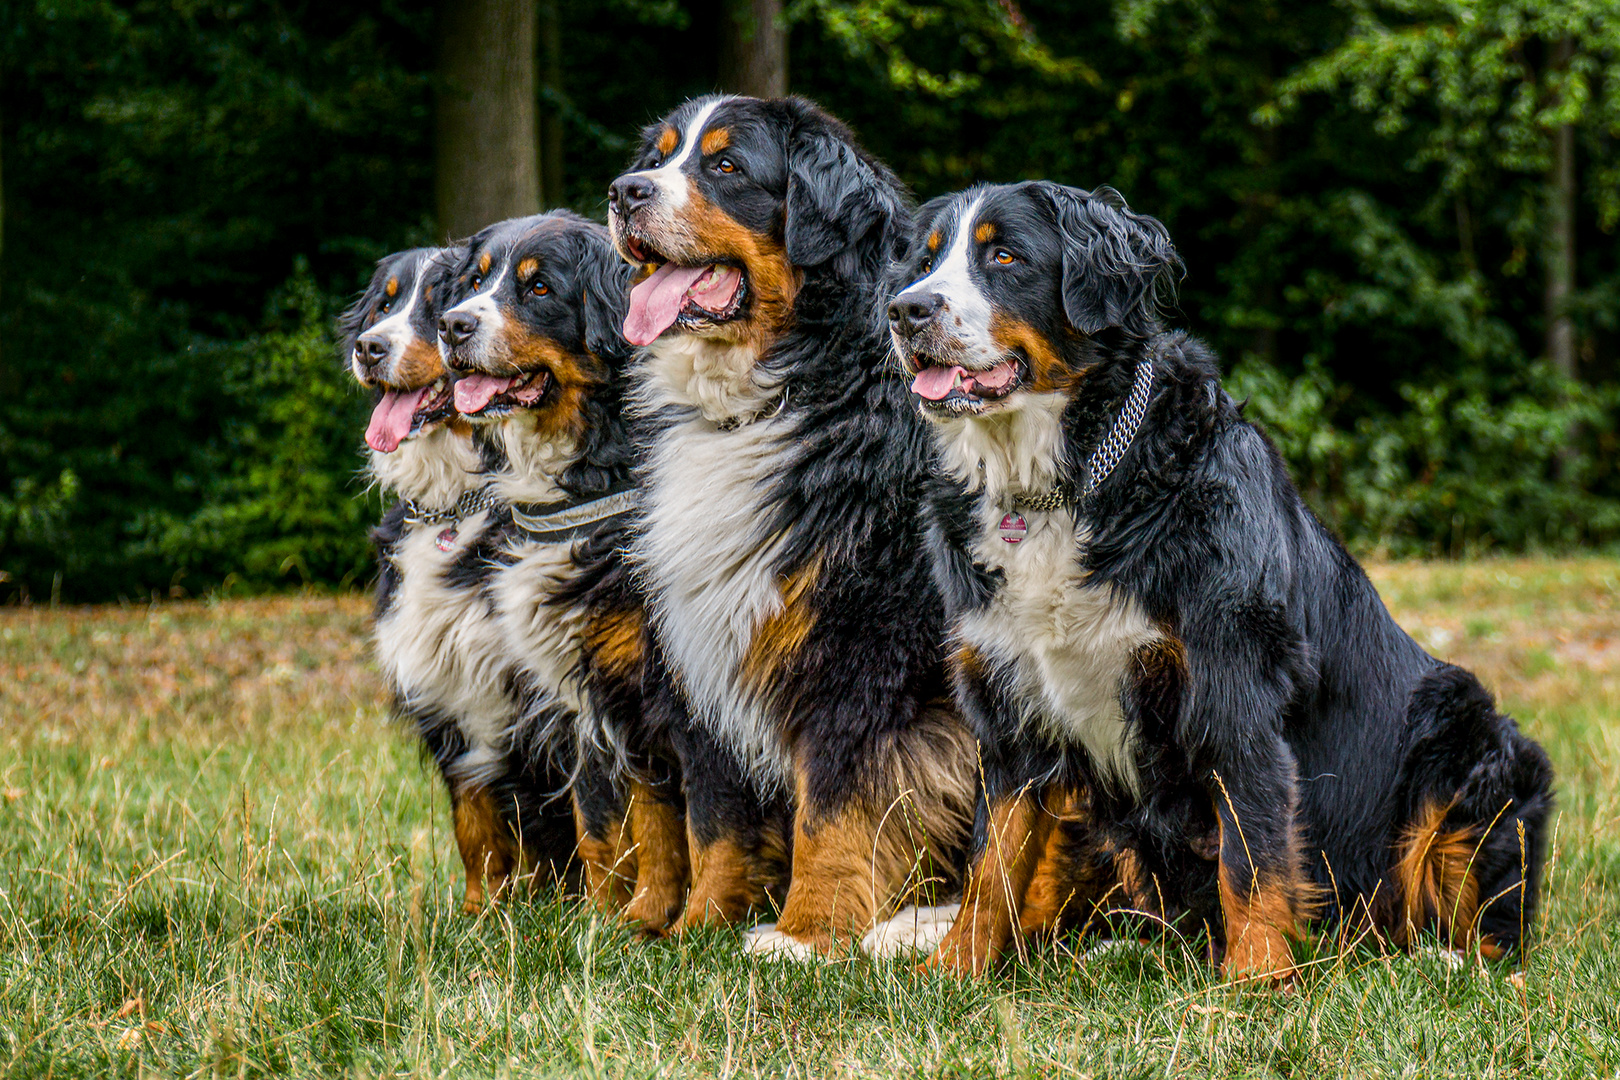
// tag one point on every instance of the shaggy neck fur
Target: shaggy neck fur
(433, 469)
(719, 380)
(1012, 451)
(532, 463)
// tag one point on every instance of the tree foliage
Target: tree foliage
(1359, 190)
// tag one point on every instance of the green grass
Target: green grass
(217, 856)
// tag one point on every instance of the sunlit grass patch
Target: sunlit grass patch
(217, 855)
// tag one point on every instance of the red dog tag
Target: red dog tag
(445, 540)
(1013, 528)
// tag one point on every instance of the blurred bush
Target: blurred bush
(285, 506)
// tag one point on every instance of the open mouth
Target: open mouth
(404, 413)
(953, 388)
(489, 397)
(691, 297)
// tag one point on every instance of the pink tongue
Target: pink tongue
(655, 303)
(391, 419)
(998, 376)
(475, 391)
(723, 286)
(934, 383)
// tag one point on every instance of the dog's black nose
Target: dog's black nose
(370, 351)
(457, 327)
(912, 311)
(630, 193)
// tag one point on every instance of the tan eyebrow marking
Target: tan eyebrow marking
(715, 140)
(392, 288)
(483, 263)
(668, 139)
(528, 268)
(985, 233)
(933, 240)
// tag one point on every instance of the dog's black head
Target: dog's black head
(390, 343)
(1008, 289)
(533, 321)
(731, 201)
(532, 332)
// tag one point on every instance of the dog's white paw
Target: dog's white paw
(766, 941)
(913, 929)
(1106, 948)
(1455, 959)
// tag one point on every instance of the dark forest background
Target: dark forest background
(1397, 220)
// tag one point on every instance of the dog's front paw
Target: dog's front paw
(766, 941)
(913, 929)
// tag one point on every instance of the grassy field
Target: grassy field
(217, 856)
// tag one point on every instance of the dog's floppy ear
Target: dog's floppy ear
(1114, 261)
(836, 197)
(605, 280)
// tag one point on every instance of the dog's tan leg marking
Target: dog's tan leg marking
(488, 852)
(610, 862)
(661, 860)
(996, 887)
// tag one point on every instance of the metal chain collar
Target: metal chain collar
(770, 412)
(470, 503)
(1103, 459)
(1118, 439)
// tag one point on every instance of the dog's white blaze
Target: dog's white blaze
(1070, 641)
(710, 572)
(490, 320)
(441, 648)
(966, 314)
(396, 330)
(672, 183)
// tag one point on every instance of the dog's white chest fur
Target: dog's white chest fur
(710, 572)
(1070, 641)
(542, 637)
(441, 647)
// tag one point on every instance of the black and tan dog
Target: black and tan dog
(780, 545)
(1155, 640)
(435, 638)
(533, 333)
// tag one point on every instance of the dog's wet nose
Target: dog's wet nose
(370, 351)
(458, 327)
(630, 193)
(911, 312)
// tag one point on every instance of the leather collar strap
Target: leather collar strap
(554, 523)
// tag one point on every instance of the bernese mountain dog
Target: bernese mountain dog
(533, 336)
(435, 638)
(780, 542)
(1189, 700)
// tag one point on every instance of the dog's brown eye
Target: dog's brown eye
(385, 306)
(539, 288)
(927, 266)
(725, 165)
(1004, 257)
(476, 281)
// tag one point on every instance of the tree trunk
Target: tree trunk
(1560, 240)
(487, 157)
(753, 48)
(551, 125)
